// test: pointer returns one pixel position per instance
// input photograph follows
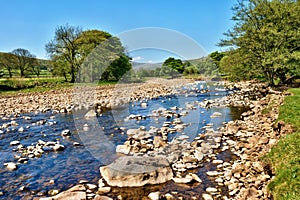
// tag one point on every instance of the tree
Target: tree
(24, 60)
(8, 62)
(216, 57)
(175, 64)
(64, 47)
(86, 54)
(266, 37)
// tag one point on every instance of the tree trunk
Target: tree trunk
(10, 73)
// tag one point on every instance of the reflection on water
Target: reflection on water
(77, 163)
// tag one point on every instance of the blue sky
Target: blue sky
(31, 24)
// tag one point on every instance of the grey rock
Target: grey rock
(135, 171)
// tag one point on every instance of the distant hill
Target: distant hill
(138, 65)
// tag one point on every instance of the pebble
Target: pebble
(154, 195)
(211, 190)
(66, 132)
(212, 173)
(207, 197)
(11, 166)
(103, 190)
(14, 143)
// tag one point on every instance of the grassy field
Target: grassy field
(11, 86)
(285, 156)
(17, 85)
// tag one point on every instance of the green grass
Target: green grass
(11, 86)
(285, 156)
(25, 85)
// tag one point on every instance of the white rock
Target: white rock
(217, 161)
(212, 173)
(104, 190)
(91, 186)
(14, 143)
(66, 132)
(207, 197)
(211, 190)
(144, 104)
(154, 195)
(124, 149)
(11, 166)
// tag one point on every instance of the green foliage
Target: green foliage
(90, 55)
(206, 67)
(175, 64)
(25, 62)
(266, 37)
(217, 57)
(65, 48)
(285, 155)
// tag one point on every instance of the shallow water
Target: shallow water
(73, 164)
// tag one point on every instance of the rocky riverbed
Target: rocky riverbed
(171, 152)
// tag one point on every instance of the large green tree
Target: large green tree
(266, 37)
(25, 61)
(64, 47)
(175, 64)
(86, 54)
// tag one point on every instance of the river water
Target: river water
(77, 163)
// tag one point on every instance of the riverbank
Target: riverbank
(284, 156)
(61, 100)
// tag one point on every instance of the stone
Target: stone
(207, 197)
(124, 149)
(196, 178)
(66, 132)
(217, 161)
(98, 197)
(186, 179)
(136, 171)
(198, 155)
(211, 190)
(212, 173)
(168, 196)
(91, 186)
(90, 114)
(158, 142)
(77, 192)
(103, 190)
(154, 195)
(257, 167)
(58, 147)
(11, 166)
(14, 143)
(144, 105)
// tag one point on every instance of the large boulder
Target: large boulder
(136, 171)
(77, 192)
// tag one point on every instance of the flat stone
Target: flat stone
(154, 195)
(211, 190)
(75, 193)
(212, 173)
(103, 190)
(135, 171)
(11, 166)
(98, 197)
(14, 143)
(217, 161)
(124, 149)
(207, 197)
(90, 114)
